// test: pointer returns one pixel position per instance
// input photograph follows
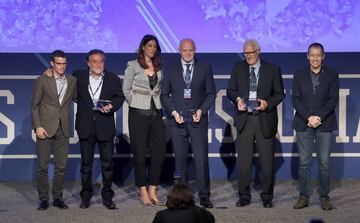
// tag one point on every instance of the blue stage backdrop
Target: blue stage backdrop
(17, 141)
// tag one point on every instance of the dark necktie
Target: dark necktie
(187, 75)
(253, 82)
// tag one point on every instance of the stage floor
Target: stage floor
(18, 203)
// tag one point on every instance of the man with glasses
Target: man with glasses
(255, 88)
(99, 97)
(315, 96)
(50, 112)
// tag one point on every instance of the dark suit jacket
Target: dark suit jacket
(85, 116)
(322, 103)
(270, 89)
(203, 91)
(189, 215)
(46, 110)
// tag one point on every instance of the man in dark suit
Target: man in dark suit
(50, 112)
(187, 93)
(99, 96)
(315, 96)
(255, 88)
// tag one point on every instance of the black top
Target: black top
(153, 111)
(189, 215)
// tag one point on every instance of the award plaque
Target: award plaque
(251, 104)
(100, 103)
(187, 116)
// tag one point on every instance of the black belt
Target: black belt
(253, 113)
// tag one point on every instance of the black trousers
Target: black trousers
(87, 147)
(181, 136)
(147, 134)
(44, 147)
(245, 142)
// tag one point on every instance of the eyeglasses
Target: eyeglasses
(250, 53)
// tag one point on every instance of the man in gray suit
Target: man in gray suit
(50, 112)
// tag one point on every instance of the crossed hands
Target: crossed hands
(314, 121)
(107, 108)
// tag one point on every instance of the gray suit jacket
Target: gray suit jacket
(136, 87)
(46, 110)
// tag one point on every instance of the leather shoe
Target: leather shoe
(43, 206)
(206, 203)
(267, 204)
(242, 203)
(109, 205)
(84, 204)
(325, 204)
(60, 204)
(303, 202)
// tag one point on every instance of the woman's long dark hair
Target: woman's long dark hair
(156, 60)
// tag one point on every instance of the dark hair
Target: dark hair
(57, 53)
(156, 60)
(316, 45)
(94, 51)
(180, 197)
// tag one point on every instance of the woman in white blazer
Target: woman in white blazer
(141, 88)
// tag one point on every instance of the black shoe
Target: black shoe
(43, 206)
(60, 204)
(84, 204)
(242, 203)
(109, 204)
(206, 203)
(267, 204)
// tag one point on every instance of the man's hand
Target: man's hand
(41, 133)
(49, 72)
(314, 121)
(241, 106)
(107, 108)
(178, 118)
(197, 116)
(263, 105)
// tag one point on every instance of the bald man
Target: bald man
(187, 93)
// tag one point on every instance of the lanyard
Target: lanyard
(97, 89)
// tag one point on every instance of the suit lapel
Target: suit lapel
(51, 82)
(194, 77)
(104, 85)
(261, 78)
(308, 82)
(321, 79)
(245, 82)
(84, 77)
(180, 75)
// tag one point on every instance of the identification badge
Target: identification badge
(252, 96)
(187, 93)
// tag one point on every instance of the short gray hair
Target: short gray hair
(252, 42)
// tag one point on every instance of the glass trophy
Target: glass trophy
(100, 103)
(251, 104)
(187, 116)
